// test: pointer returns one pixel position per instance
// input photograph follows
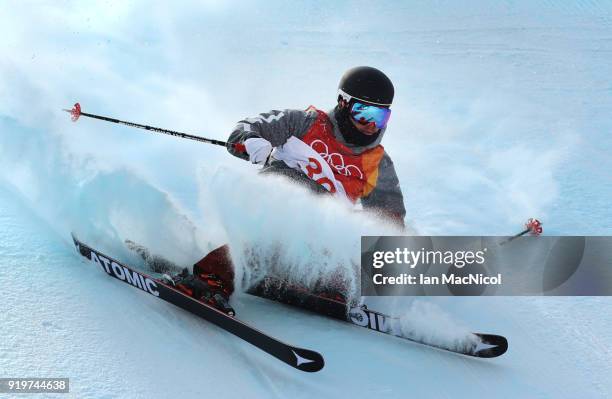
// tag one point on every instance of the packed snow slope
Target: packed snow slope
(64, 317)
(501, 113)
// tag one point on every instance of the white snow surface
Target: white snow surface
(501, 113)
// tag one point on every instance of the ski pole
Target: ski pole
(533, 226)
(76, 112)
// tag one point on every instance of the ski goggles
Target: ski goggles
(367, 113)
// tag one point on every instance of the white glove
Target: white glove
(258, 149)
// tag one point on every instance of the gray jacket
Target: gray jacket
(277, 126)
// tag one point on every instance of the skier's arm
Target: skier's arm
(386, 198)
(275, 127)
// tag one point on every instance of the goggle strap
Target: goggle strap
(347, 97)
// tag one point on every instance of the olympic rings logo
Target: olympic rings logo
(340, 167)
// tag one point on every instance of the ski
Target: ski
(483, 346)
(299, 358)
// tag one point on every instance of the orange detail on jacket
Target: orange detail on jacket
(358, 173)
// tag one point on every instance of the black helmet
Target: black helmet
(361, 84)
(366, 84)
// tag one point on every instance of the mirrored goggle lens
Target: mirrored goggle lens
(366, 113)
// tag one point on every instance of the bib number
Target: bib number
(315, 172)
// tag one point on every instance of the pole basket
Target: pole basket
(534, 226)
(75, 112)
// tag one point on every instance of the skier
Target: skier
(338, 151)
